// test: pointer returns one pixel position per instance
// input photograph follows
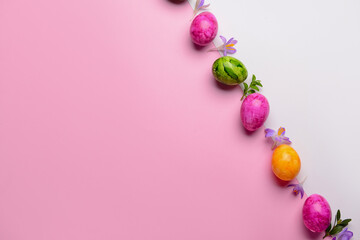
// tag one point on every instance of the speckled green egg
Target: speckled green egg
(229, 70)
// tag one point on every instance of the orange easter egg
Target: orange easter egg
(286, 162)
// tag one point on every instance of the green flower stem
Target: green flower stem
(254, 87)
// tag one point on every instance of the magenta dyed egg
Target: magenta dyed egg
(254, 111)
(203, 28)
(316, 213)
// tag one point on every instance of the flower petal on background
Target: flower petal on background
(230, 40)
(286, 140)
(223, 39)
(298, 188)
(201, 3)
(205, 6)
(234, 42)
(231, 50)
(269, 132)
(345, 234)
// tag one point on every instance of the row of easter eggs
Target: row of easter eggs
(228, 70)
(254, 112)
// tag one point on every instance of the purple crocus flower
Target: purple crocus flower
(200, 6)
(226, 47)
(344, 235)
(298, 188)
(278, 137)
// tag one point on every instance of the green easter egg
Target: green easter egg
(229, 70)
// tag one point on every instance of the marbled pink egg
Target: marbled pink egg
(254, 111)
(316, 213)
(203, 28)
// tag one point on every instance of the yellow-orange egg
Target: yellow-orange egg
(286, 162)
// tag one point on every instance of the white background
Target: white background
(307, 54)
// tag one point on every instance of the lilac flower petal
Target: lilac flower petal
(204, 7)
(234, 42)
(348, 235)
(228, 42)
(231, 50)
(225, 52)
(201, 3)
(302, 193)
(345, 234)
(297, 189)
(269, 132)
(286, 139)
(278, 139)
(282, 140)
(223, 39)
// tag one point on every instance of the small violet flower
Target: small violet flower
(344, 235)
(226, 47)
(298, 188)
(200, 6)
(278, 137)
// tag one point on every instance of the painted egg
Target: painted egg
(285, 163)
(254, 111)
(229, 70)
(316, 213)
(203, 28)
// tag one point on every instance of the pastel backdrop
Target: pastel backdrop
(112, 127)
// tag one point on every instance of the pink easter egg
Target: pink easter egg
(254, 111)
(316, 213)
(203, 28)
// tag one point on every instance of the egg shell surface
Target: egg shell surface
(254, 111)
(229, 71)
(316, 213)
(285, 163)
(203, 28)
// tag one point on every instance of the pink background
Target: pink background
(112, 127)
